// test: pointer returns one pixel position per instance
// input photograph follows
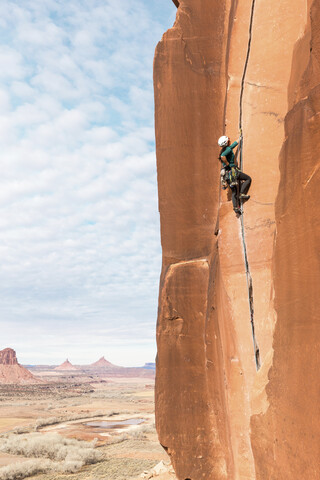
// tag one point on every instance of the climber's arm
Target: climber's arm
(224, 160)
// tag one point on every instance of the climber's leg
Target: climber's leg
(235, 199)
(246, 183)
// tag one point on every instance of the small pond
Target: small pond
(109, 425)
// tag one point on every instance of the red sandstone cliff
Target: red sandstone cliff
(11, 371)
(216, 415)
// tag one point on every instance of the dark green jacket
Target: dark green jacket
(228, 153)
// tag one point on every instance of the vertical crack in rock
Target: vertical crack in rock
(248, 274)
(250, 296)
(245, 70)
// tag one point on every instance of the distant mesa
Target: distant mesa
(11, 371)
(104, 367)
(66, 366)
(101, 363)
(8, 357)
(149, 366)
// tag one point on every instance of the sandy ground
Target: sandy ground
(126, 451)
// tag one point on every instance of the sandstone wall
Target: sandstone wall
(190, 77)
(216, 415)
(8, 357)
(286, 436)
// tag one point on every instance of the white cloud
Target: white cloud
(79, 232)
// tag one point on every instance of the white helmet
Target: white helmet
(223, 141)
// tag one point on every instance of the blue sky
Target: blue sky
(79, 224)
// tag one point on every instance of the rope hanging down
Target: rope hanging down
(248, 274)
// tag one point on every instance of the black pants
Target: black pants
(244, 184)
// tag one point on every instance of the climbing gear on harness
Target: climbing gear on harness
(243, 196)
(223, 141)
(223, 179)
(233, 176)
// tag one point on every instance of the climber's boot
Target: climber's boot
(237, 211)
(243, 196)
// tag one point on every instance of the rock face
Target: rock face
(222, 63)
(11, 371)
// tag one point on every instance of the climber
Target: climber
(231, 175)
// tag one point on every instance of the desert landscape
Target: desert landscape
(188, 195)
(80, 422)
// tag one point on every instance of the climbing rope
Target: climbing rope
(247, 266)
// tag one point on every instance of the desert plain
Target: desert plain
(80, 424)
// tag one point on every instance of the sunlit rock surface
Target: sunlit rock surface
(8, 357)
(218, 417)
(11, 371)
